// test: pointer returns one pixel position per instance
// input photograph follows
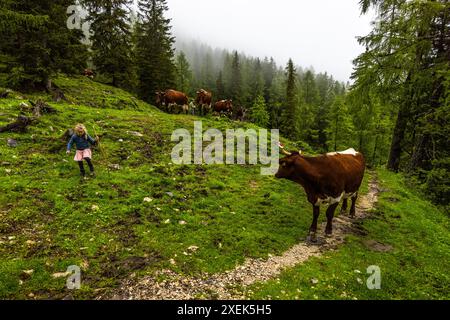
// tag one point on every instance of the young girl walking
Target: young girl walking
(82, 141)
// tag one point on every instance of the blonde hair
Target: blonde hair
(80, 128)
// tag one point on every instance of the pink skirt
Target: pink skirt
(81, 154)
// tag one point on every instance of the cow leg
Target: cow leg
(313, 228)
(344, 206)
(353, 207)
(330, 215)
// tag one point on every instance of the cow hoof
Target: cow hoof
(328, 235)
(312, 237)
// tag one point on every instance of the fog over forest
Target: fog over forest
(287, 29)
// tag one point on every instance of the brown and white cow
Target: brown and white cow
(172, 98)
(224, 106)
(89, 73)
(203, 101)
(240, 114)
(326, 180)
(159, 99)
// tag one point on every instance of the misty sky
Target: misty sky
(318, 33)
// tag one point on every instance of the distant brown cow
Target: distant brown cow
(224, 106)
(170, 99)
(176, 98)
(89, 73)
(326, 179)
(240, 114)
(203, 100)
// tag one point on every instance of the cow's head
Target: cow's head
(200, 95)
(287, 166)
(229, 104)
(159, 98)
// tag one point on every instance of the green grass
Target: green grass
(49, 219)
(415, 268)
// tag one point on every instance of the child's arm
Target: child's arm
(69, 145)
(91, 140)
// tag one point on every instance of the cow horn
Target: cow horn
(283, 151)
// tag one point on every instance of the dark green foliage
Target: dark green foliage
(236, 80)
(406, 69)
(290, 111)
(259, 114)
(220, 87)
(154, 49)
(184, 74)
(36, 43)
(111, 40)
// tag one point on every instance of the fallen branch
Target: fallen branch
(20, 125)
(41, 107)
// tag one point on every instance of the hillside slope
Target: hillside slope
(50, 220)
(142, 214)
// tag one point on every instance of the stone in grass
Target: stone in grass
(193, 248)
(26, 274)
(170, 194)
(182, 222)
(148, 199)
(95, 207)
(135, 133)
(314, 281)
(12, 143)
(114, 166)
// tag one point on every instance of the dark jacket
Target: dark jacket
(81, 143)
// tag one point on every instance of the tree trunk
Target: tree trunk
(375, 149)
(397, 140)
(420, 156)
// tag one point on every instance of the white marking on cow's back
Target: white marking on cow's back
(351, 151)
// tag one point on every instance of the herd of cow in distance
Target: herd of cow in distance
(173, 101)
(327, 179)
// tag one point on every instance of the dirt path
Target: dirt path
(228, 285)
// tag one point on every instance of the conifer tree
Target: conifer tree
(220, 87)
(259, 113)
(290, 114)
(36, 43)
(154, 49)
(236, 79)
(184, 74)
(340, 129)
(110, 28)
